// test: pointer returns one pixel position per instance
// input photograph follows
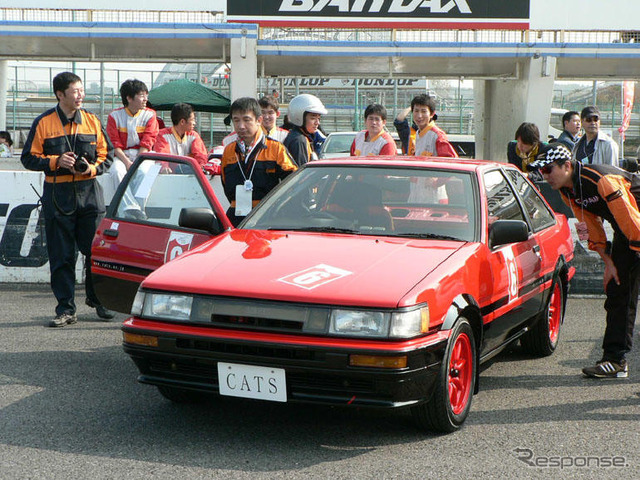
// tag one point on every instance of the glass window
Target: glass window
(501, 201)
(540, 216)
(412, 202)
(158, 191)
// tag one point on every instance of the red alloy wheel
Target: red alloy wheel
(460, 374)
(555, 313)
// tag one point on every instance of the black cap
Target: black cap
(590, 112)
(554, 152)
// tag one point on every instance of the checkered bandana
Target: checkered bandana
(554, 153)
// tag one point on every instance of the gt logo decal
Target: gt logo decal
(179, 242)
(314, 276)
(512, 272)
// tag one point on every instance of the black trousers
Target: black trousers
(622, 301)
(72, 212)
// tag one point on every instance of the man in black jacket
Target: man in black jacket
(70, 146)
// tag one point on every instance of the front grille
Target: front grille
(195, 371)
(260, 315)
(256, 322)
(329, 384)
(250, 350)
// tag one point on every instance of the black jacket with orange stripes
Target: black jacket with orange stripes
(267, 164)
(52, 134)
(609, 193)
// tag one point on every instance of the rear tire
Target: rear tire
(449, 405)
(182, 395)
(543, 338)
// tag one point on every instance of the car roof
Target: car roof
(458, 164)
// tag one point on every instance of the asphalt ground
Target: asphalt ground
(70, 407)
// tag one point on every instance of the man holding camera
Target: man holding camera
(70, 146)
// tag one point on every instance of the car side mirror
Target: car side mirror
(503, 232)
(199, 218)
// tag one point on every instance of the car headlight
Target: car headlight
(359, 323)
(364, 323)
(165, 306)
(138, 303)
(410, 323)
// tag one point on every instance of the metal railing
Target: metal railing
(143, 16)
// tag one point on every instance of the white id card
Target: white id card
(243, 201)
(582, 231)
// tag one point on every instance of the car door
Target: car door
(142, 231)
(543, 222)
(515, 267)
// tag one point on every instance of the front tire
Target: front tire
(449, 405)
(543, 338)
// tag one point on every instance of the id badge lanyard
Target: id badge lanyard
(244, 192)
(581, 226)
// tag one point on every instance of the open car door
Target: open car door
(164, 206)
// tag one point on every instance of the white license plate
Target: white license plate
(249, 381)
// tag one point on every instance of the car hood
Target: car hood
(305, 267)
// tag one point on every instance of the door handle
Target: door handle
(536, 250)
(109, 232)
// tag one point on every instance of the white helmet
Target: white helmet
(301, 104)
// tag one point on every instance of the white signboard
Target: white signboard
(23, 251)
(162, 5)
(585, 15)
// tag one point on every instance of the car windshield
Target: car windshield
(369, 200)
(338, 143)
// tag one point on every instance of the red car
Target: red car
(378, 282)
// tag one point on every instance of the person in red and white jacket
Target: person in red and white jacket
(132, 130)
(375, 140)
(182, 139)
(270, 112)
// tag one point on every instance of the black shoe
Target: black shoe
(101, 311)
(608, 369)
(63, 320)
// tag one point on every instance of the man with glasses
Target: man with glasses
(70, 146)
(597, 192)
(595, 146)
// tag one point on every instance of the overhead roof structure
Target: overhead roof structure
(276, 56)
(125, 42)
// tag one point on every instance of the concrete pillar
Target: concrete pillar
(244, 67)
(502, 105)
(4, 86)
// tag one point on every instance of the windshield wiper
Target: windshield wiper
(324, 229)
(430, 235)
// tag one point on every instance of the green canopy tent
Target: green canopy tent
(201, 98)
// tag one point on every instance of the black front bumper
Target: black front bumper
(313, 374)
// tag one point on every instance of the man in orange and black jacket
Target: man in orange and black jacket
(70, 146)
(253, 164)
(603, 192)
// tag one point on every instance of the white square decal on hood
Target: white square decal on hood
(313, 277)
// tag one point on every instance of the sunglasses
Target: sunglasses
(546, 170)
(592, 119)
